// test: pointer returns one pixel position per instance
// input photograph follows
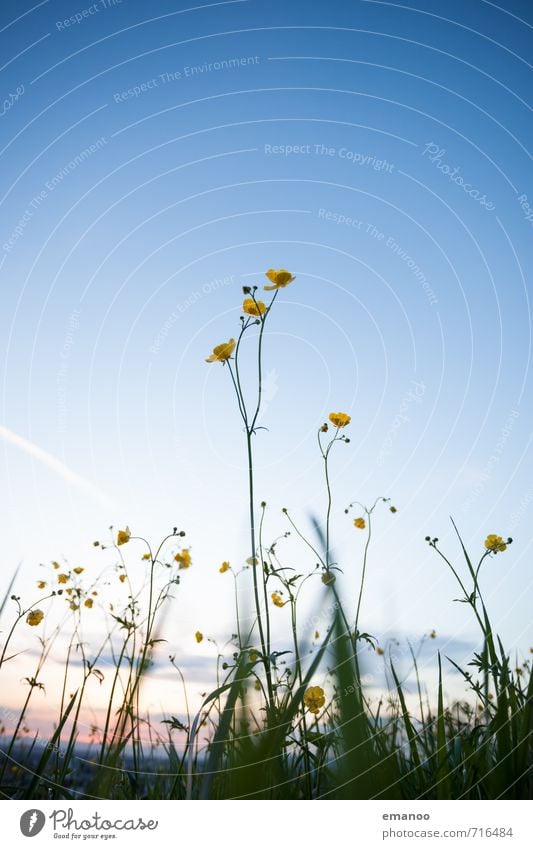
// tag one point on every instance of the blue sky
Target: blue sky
(154, 161)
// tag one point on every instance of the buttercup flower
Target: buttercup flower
(146, 556)
(495, 543)
(252, 307)
(88, 602)
(380, 651)
(55, 564)
(279, 279)
(314, 699)
(41, 584)
(328, 578)
(359, 523)
(122, 578)
(224, 568)
(123, 536)
(35, 617)
(78, 570)
(62, 578)
(221, 353)
(340, 419)
(198, 636)
(183, 558)
(277, 600)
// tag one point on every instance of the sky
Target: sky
(155, 159)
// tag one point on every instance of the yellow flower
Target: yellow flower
(495, 543)
(78, 570)
(317, 635)
(221, 353)
(41, 584)
(224, 568)
(74, 606)
(252, 307)
(55, 564)
(340, 419)
(277, 600)
(393, 509)
(199, 636)
(257, 685)
(146, 556)
(328, 578)
(280, 278)
(123, 536)
(253, 655)
(62, 578)
(35, 617)
(360, 523)
(433, 634)
(122, 578)
(88, 602)
(183, 558)
(379, 650)
(314, 699)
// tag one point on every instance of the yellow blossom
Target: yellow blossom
(314, 699)
(183, 558)
(279, 279)
(252, 307)
(55, 564)
(317, 635)
(221, 353)
(198, 636)
(379, 650)
(433, 634)
(277, 600)
(224, 568)
(340, 419)
(122, 578)
(146, 556)
(253, 655)
(123, 536)
(41, 584)
(35, 617)
(328, 578)
(78, 570)
(74, 606)
(359, 523)
(62, 578)
(495, 543)
(257, 685)
(88, 602)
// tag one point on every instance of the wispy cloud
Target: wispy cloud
(56, 465)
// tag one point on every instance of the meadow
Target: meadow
(290, 724)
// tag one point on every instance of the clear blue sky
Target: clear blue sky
(154, 162)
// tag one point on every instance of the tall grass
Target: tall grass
(277, 724)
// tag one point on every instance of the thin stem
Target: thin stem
(365, 555)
